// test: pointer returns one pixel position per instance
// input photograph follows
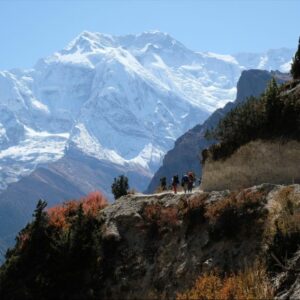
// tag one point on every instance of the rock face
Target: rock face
(154, 246)
(186, 154)
(288, 281)
(159, 244)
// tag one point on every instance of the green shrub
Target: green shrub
(120, 186)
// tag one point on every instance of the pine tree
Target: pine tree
(39, 213)
(295, 69)
(38, 227)
(271, 95)
(273, 105)
(120, 186)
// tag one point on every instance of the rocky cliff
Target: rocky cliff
(154, 246)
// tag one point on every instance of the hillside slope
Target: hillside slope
(153, 246)
(258, 141)
(186, 153)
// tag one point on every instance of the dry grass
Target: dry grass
(206, 286)
(254, 163)
(195, 202)
(251, 283)
(156, 213)
(284, 215)
(244, 201)
(289, 217)
(281, 237)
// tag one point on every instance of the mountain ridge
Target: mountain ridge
(118, 109)
(108, 86)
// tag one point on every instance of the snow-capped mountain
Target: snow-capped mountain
(118, 99)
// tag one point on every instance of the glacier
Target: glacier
(122, 100)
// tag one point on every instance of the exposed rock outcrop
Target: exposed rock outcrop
(159, 244)
(154, 246)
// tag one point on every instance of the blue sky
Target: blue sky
(33, 29)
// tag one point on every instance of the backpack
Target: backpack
(175, 179)
(191, 177)
(163, 181)
(185, 179)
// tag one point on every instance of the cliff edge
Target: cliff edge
(154, 246)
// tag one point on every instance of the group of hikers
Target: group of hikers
(187, 182)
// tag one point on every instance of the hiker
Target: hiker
(175, 182)
(185, 182)
(199, 181)
(191, 180)
(163, 183)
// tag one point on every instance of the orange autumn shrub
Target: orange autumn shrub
(58, 215)
(251, 283)
(93, 202)
(61, 215)
(206, 287)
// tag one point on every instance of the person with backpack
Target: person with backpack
(184, 182)
(163, 183)
(191, 179)
(175, 182)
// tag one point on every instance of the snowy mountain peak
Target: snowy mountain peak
(273, 59)
(88, 42)
(158, 38)
(122, 100)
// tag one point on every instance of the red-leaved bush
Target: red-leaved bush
(93, 202)
(60, 215)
